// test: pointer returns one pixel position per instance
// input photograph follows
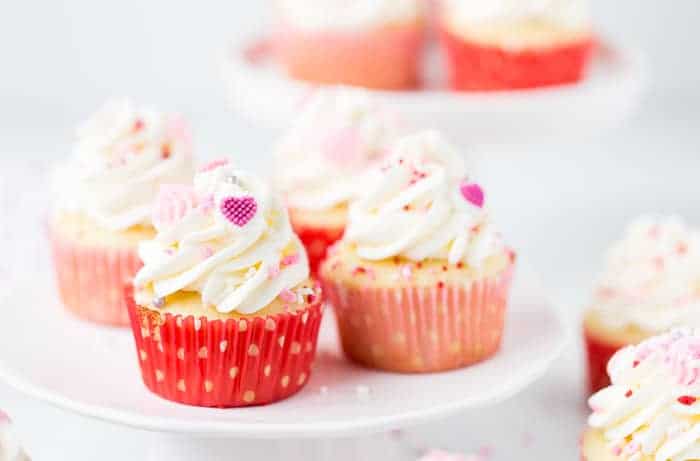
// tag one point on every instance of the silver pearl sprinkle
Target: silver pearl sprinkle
(158, 303)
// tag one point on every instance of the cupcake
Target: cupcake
(223, 312)
(10, 448)
(420, 279)
(651, 410)
(651, 284)
(103, 197)
(369, 43)
(512, 44)
(324, 157)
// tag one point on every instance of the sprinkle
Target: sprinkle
(207, 251)
(444, 268)
(359, 270)
(682, 248)
(290, 260)
(407, 208)
(273, 272)
(419, 264)
(165, 151)
(159, 302)
(169, 251)
(460, 265)
(686, 400)
(635, 364)
(239, 210)
(628, 394)
(616, 450)
(472, 193)
(138, 125)
(214, 164)
(441, 285)
(288, 296)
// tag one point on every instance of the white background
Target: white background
(560, 205)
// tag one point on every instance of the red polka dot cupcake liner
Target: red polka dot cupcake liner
(91, 279)
(598, 354)
(317, 241)
(421, 329)
(225, 363)
(386, 58)
(476, 67)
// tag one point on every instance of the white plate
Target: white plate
(51, 356)
(258, 88)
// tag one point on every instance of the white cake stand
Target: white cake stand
(258, 88)
(49, 355)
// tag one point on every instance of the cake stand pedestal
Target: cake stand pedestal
(344, 412)
(258, 88)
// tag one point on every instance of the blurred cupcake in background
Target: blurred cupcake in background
(420, 280)
(223, 312)
(322, 163)
(651, 410)
(102, 203)
(515, 44)
(10, 447)
(651, 284)
(370, 43)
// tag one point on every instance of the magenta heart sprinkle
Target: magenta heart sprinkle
(239, 210)
(472, 193)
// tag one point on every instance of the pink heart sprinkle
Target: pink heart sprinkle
(214, 164)
(472, 193)
(343, 146)
(4, 418)
(239, 210)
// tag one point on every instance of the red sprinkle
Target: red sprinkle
(359, 270)
(138, 125)
(406, 207)
(628, 393)
(635, 364)
(419, 265)
(686, 399)
(165, 151)
(441, 285)
(682, 248)
(460, 265)
(444, 268)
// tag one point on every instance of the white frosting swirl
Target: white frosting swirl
(325, 155)
(237, 255)
(332, 14)
(652, 278)
(651, 410)
(121, 157)
(569, 13)
(416, 208)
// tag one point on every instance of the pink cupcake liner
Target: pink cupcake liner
(421, 329)
(225, 363)
(91, 279)
(383, 58)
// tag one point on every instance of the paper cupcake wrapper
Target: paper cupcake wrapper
(415, 330)
(225, 363)
(385, 58)
(91, 279)
(473, 66)
(598, 354)
(316, 241)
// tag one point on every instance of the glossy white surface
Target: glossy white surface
(93, 371)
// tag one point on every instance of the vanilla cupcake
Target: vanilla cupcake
(651, 409)
(323, 160)
(510, 44)
(420, 280)
(103, 197)
(224, 313)
(651, 283)
(368, 43)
